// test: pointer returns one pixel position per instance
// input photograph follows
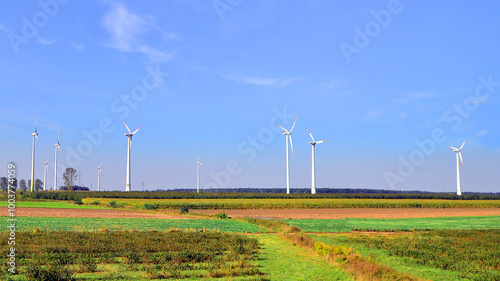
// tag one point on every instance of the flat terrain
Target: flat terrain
(375, 213)
(88, 213)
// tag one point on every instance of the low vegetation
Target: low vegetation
(474, 254)
(307, 203)
(62, 255)
(227, 194)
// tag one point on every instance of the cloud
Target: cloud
(45, 41)
(79, 47)
(260, 81)
(4, 28)
(483, 132)
(128, 30)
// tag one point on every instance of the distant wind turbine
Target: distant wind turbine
(129, 135)
(288, 135)
(459, 154)
(313, 143)
(35, 139)
(45, 163)
(57, 147)
(99, 177)
(198, 174)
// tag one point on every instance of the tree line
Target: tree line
(70, 177)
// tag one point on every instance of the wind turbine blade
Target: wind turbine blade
(293, 124)
(321, 141)
(310, 134)
(198, 156)
(35, 121)
(463, 144)
(461, 160)
(454, 148)
(136, 130)
(282, 128)
(127, 127)
(57, 135)
(291, 144)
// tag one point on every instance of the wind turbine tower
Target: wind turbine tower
(45, 163)
(459, 154)
(129, 135)
(35, 138)
(313, 144)
(288, 135)
(198, 174)
(57, 147)
(99, 177)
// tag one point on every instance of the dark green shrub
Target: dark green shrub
(149, 207)
(222, 216)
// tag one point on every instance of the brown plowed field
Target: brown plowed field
(357, 213)
(87, 213)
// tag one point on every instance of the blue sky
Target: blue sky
(390, 84)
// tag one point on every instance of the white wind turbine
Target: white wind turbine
(35, 138)
(57, 147)
(313, 143)
(45, 163)
(198, 174)
(459, 154)
(129, 135)
(99, 177)
(288, 135)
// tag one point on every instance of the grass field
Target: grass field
(407, 224)
(292, 203)
(51, 204)
(95, 224)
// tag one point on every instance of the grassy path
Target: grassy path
(282, 261)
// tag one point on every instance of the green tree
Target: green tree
(22, 185)
(4, 184)
(38, 185)
(70, 176)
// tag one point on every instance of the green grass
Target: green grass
(50, 204)
(94, 224)
(280, 260)
(383, 257)
(349, 224)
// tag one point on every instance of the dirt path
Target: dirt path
(357, 213)
(88, 213)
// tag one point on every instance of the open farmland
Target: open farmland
(292, 203)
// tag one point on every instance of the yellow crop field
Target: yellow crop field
(299, 203)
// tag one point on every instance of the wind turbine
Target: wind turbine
(288, 135)
(35, 139)
(57, 147)
(45, 163)
(459, 154)
(313, 143)
(99, 177)
(198, 174)
(129, 135)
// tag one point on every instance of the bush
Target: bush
(184, 209)
(38, 272)
(222, 216)
(149, 207)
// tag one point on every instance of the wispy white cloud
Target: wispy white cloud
(45, 41)
(128, 30)
(79, 47)
(260, 81)
(483, 132)
(4, 28)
